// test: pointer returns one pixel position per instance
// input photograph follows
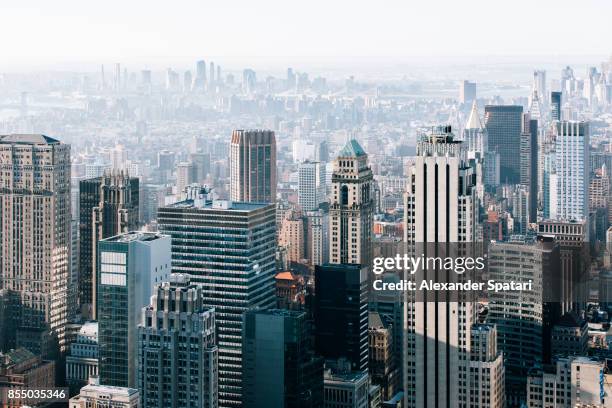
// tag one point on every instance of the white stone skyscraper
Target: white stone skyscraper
(476, 142)
(351, 207)
(311, 185)
(572, 170)
(440, 209)
(35, 224)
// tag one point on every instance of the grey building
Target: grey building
(35, 229)
(129, 266)
(228, 248)
(503, 124)
(177, 354)
(524, 319)
(279, 365)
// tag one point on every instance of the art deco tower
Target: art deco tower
(253, 166)
(351, 207)
(35, 235)
(439, 216)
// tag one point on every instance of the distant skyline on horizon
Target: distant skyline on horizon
(128, 32)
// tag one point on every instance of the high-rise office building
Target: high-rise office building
(572, 169)
(383, 371)
(529, 164)
(292, 237)
(229, 249)
(184, 177)
(504, 126)
(108, 205)
(524, 319)
(476, 142)
(487, 385)
(129, 266)
(177, 351)
(555, 106)
(351, 207)
(341, 313)
(253, 166)
(539, 82)
(280, 368)
(467, 92)
(35, 223)
(440, 212)
(311, 185)
(317, 236)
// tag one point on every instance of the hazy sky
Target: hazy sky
(132, 30)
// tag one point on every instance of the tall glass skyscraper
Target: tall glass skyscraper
(129, 265)
(504, 127)
(228, 248)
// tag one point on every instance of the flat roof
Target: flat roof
(37, 139)
(135, 236)
(219, 205)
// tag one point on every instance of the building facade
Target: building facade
(228, 248)
(440, 212)
(177, 351)
(280, 368)
(35, 223)
(351, 207)
(253, 166)
(129, 266)
(108, 206)
(503, 124)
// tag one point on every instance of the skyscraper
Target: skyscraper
(129, 266)
(572, 169)
(529, 164)
(280, 368)
(524, 319)
(487, 366)
(351, 207)
(555, 106)
(108, 206)
(476, 142)
(467, 92)
(440, 209)
(253, 166)
(228, 248)
(311, 185)
(341, 313)
(177, 332)
(35, 224)
(504, 126)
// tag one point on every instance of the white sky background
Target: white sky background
(55, 32)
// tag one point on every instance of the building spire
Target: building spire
(474, 119)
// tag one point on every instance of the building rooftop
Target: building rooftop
(219, 205)
(89, 329)
(352, 148)
(16, 357)
(36, 139)
(135, 236)
(109, 389)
